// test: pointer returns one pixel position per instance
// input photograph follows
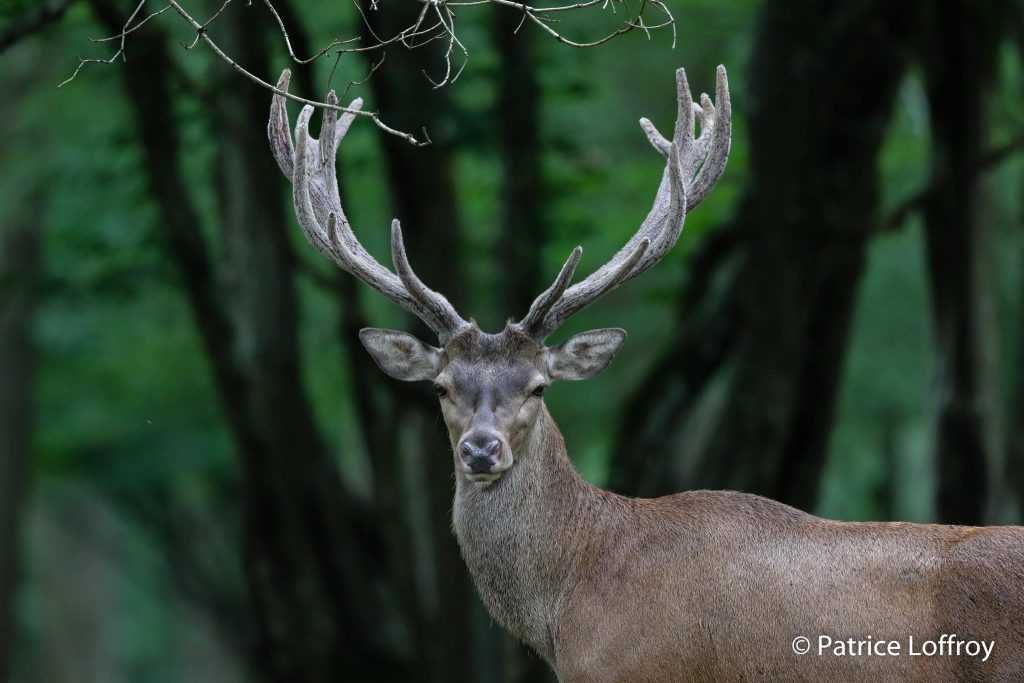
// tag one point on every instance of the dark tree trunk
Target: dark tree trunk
(823, 81)
(960, 48)
(1015, 425)
(298, 549)
(376, 405)
(20, 264)
(1014, 462)
(304, 542)
(523, 190)
(424, 196)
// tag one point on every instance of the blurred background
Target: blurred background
(203, 477)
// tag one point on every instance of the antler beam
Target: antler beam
(694, 165)
(310, 166)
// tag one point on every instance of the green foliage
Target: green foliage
(126, 405)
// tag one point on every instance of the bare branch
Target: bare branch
(436, 21)
(369, 74)
(134, 28)
(83, 62)
(201, 31)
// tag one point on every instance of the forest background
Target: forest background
(203, 477)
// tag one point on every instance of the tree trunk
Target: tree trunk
(1014, 460)
(423, 191)
(298, 550)
(960, 51)
(1014, 463)
(20, 264)
(824, 77)
(523, 193)
(375, 403)
(305, 546)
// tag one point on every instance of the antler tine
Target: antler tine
(303, 183)
(571, 302)
(682, 135)
(703, 159)
(436, 304)
(280, 134)
(279, 131)
(310, 165)
(666, 216)
(328, 147)
(550, 296)
(708, 114)
(718, 146)
(342, 242)
(692, 168)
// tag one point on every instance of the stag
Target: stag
(697, 586)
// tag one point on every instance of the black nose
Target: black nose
(480, 452)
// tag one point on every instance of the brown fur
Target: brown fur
(714, 585)
(697, 586)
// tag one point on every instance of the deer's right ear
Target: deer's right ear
(401, 355)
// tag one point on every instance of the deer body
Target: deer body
(699, 586)
(715, 585)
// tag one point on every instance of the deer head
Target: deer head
(491, 386)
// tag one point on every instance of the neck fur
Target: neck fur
(520, 535)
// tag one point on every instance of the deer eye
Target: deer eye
(440, 391)
(539, 391)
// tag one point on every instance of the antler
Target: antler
(693, 167)
(310, 166)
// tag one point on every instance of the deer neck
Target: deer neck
(521, 536)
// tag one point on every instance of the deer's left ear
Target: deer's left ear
(585, 354)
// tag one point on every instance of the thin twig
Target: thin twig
(83, 62)
(369, 74)
(419, 33)
(134, 28)
(259, 81)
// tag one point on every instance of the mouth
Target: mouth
(485, 478)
